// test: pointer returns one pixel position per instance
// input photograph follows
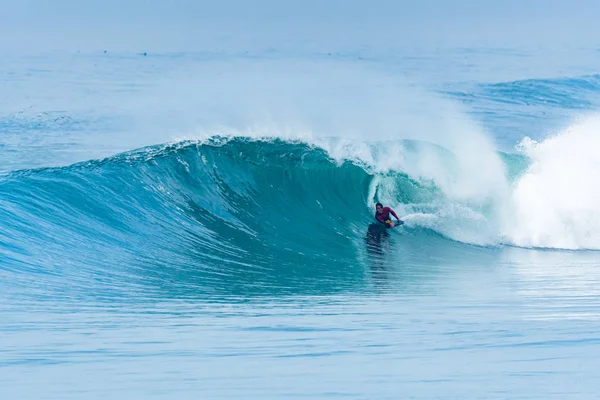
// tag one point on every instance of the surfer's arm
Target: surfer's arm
(394, 214)
(380, 218)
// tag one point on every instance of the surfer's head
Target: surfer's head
(379, 207)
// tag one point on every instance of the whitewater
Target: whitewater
(187, 225)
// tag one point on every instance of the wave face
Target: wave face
(225, 209)
(252, 213)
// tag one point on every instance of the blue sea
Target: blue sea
(199, 225)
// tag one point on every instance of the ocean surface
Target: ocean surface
(200, 225)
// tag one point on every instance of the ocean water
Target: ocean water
(199, 225)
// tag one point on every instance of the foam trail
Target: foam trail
(555, 203)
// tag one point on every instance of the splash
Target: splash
(555, 202)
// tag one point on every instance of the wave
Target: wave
(572, 92)
(564, 93)
(531, 108)
(234, 210)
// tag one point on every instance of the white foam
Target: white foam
(556, 202)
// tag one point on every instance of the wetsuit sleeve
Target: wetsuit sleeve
(379, 218)
(394, 214)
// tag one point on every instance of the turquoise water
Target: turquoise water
(198, 225)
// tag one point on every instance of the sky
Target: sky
(237, 25)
